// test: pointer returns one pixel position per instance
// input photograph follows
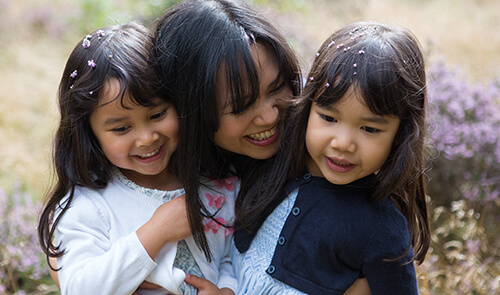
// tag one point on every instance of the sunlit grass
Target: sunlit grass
(28, 83)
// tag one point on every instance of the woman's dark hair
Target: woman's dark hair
(120, 52)
(386, 66)
(192, 41)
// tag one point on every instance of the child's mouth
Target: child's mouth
(339, 165)
(151, 154)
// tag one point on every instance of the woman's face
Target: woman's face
(253, 133)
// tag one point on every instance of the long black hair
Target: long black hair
(386, 66)
(121, 52)
(192, 41)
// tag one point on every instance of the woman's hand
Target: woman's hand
(205, 287)
(360, 287)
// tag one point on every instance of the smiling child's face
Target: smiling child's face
(137, 139)
(346, 141)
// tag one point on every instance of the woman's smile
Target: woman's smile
(264, 138)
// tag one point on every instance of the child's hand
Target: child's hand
(205, 287)
(168, 224)
(174, 217)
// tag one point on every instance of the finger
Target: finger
(196, 281)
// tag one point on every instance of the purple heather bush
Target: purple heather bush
(464, 186)
(22, 263)
(464, 122)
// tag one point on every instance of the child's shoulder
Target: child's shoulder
(86, 205)
(389, 230)
(83, 195)
(389, 213)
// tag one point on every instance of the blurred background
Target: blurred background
(461, 40)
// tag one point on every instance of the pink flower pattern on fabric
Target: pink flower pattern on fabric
(213, 225)
(229, 230)
(215, 200)
(227, 183)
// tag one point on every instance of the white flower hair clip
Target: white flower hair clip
(86, 41)
(100, 34)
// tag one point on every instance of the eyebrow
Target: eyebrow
(113, 120)
(377, 119)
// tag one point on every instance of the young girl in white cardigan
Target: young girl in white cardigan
(109, 218)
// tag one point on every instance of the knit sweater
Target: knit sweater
(331, 236)
(103, 254)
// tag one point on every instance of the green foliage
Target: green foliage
(283, 5)
(97, 13)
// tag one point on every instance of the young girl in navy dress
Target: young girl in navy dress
(347, 196)
(115, 214)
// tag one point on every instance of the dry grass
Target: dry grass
(29, 74)
(465, 32)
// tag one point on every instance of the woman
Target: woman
(231, 74)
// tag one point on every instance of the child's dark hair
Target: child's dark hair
(386, 66)
(121, 52)
(192, 41)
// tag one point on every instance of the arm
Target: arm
(392, 277)
(227, 276)
(178, 230)
(92, 257)
(53, 273)
(55, 277)
(390, 239)
(121, 265)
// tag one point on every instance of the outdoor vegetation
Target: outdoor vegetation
(461, 41)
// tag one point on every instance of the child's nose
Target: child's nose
(343, 141)
(147, 138)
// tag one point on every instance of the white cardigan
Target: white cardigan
(104, 255)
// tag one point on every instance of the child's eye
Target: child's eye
(120, 129)
(159, 115)
(327, 118)
(370, 129)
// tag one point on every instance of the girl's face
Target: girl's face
(346, 141)
(253, 133)
(139, 140)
